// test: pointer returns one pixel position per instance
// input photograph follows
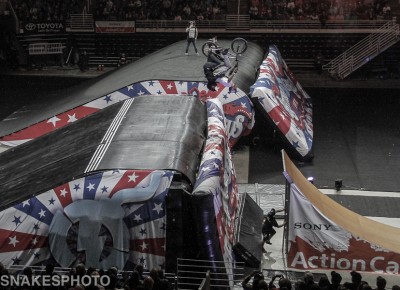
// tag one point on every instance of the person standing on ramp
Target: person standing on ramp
(192, 33)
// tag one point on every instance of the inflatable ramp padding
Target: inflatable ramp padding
(283, 101)
(155, 132)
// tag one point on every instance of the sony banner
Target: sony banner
(316, 242)
(44, 27)
(115, 26)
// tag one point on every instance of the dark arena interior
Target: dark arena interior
(59, 59)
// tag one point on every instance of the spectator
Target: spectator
(83, 61)
(380, 283)
(80, 270)
(167, 6)
(178, 17)
(323, 18)
(186, 11)
(164, 283)
(262, 285)
(139, 269)
(253, 12)
(336, 279)
(134, 280)
(291, 6)
(355, 281)
(272, 285)
(386, 10)
(49, 271)
(324, 283)
(122, 60)
(148, 283)
(309, 280)
(300, 285)
(156, 279)
(319, 62)
(257, 276)
(285, 284)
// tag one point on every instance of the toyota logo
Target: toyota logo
(30, 26)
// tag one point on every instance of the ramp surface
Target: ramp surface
(156, 133)
(169, 63)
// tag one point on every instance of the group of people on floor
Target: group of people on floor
(135, 280)
(257, 281)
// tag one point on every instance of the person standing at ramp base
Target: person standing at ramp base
(192, 34)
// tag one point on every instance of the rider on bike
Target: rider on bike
(217, 58)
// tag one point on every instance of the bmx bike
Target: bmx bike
(238, 46)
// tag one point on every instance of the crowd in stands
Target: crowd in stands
(46, 10)
(321, 10)
(160, 10)
(178, 10)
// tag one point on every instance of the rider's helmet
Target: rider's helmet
(213, 39)
(212, 86)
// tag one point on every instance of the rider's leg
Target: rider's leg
(213, 58)
(227, 61)
(232, 71)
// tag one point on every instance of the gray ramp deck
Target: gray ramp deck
(155, 132)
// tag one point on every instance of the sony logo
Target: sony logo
(314, 227)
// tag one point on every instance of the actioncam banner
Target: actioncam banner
(325, 235)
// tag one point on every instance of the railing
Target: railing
(315, 24)
(64, 271)
(364, 51)
(85, 23)
(256, 25)
(190, 273)
(80, 23)
(38, 269)
(45, 48)
(171, 24)
(237, 22)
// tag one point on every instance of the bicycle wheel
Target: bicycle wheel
(207, 47)
(239, 45)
